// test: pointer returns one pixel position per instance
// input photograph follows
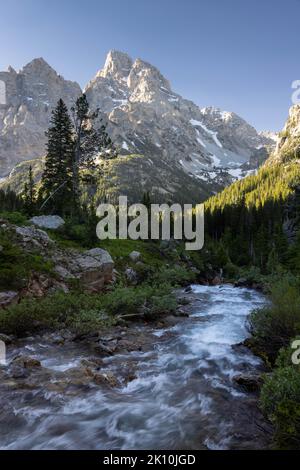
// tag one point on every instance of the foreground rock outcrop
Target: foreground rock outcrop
(93, 269)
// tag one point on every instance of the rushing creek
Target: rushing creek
(182, 397)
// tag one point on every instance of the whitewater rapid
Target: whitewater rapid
(183, 396)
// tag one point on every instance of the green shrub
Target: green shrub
(275, 325)
(231, 271)
(125, 300)
(88, 321)
(128, 300)
(16, 265)
(252, 274)
(163, 304)
(82, 312)
(196, 258)
(284, 358)
(16, 218)
(280, 401)
(144, 272)
(76, 234)
(59, 310)
(283, 384)
(174, 276)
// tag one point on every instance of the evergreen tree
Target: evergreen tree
(90, 142)
(56, 185)
(10, 201)
(29, 194)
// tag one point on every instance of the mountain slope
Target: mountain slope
(276, 179)
(258, 218)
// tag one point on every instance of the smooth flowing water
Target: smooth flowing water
(183, 396)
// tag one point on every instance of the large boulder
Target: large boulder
(52, 222)
(95, 268)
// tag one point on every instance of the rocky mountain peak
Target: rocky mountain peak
(117, 65)
(30, 96)
(11, 70)
(37, 64)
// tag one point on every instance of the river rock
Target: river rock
(106, 378)
(242, 282)
(6, 339)
(103, 348)
(26, 361)
(251, 382)
(188, 289)
(180, 312)
(94, 362)
(52, 222)
(21, 366)
(170, 320)
(183, 301)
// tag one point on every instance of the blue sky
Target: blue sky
(236, 54)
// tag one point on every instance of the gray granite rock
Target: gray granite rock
(48, 221)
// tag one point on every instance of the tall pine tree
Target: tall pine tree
(57, 180)
(90, 142)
